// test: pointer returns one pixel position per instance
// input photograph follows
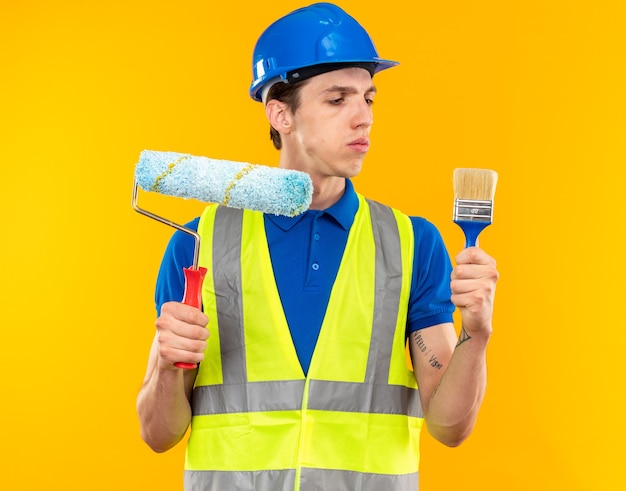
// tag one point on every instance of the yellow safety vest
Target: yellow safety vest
(353, 422)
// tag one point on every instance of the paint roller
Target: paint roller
(234, 184)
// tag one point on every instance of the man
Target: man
(302, 380)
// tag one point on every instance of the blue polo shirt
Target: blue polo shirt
(306, 251)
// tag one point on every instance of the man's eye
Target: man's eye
(337, 101)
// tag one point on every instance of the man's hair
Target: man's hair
(289, 94)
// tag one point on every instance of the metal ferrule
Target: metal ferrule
(473, 210)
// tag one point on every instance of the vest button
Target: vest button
(315, 266)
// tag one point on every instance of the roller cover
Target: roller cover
(233, 184)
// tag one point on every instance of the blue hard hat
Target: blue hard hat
(320, 35)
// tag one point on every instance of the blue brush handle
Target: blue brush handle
(471, 230)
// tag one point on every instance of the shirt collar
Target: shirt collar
(343, 211)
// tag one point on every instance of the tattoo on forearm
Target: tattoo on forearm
(434, 362)
(419, 341)
(421, 346)
(463, 337)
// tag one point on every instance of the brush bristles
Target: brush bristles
(475, 184)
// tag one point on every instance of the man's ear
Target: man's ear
(278, 115)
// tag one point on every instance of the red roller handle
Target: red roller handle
(193, 296)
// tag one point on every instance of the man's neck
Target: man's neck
(327, 191)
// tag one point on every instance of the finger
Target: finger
(184, 313)
(487, 272)
(169, 340)
(482, 284)
(473, 272)
(474, 255)
(166, 325)
(175, 348)
(175, 355)
(460, 286)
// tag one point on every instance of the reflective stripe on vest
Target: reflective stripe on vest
(312, 480)
(258, 423)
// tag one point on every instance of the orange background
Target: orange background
(533, 89)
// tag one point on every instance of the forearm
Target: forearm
(454, 404)
(163, 407)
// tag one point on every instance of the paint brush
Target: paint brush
(474, 190)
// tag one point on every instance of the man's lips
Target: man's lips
(360, 144)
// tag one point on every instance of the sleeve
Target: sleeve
(170, 284)
(429, 302)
